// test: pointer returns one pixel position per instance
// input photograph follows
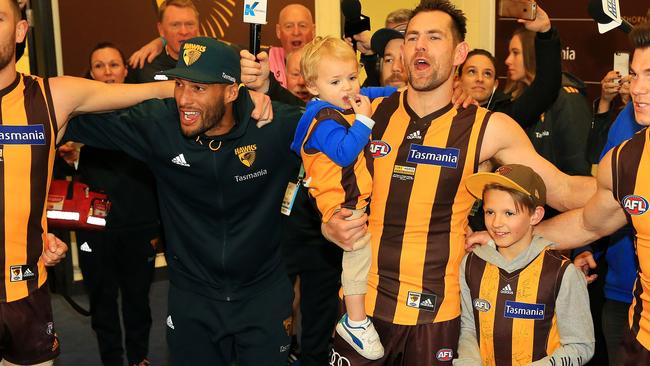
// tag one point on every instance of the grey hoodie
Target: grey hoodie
(571, 307)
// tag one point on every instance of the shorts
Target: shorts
(27, 333)
(408, 345)
(633, 352)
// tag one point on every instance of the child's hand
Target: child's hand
(361, 105)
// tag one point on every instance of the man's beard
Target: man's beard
(395, 78)
(213, 116)
(430, 83)
(7, 52)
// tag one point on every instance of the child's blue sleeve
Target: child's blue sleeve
(342, 145)
(378, 92)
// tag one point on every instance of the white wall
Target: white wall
(481, 19)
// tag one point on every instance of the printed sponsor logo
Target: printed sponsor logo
(445, 354)
(635, 205)
(21, 273)
(542, 134)
(249, 9)
(192, 52)
(180, 160)
(522, 310)
(446, 157)
(257, 174)
(507, 289)
(482, 305)
(406, 170)
(16, 273)
(414, 135)
(421, 301)
(246, 154)
(337, 360)
(22, 135)
(379, 148)
(49, 330)
(85, 247)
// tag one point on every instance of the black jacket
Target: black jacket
(220, 209)
(560, 135)
(129, 185)
(146, 74)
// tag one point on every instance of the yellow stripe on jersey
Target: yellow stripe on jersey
(382, 174)
(414, 245)
(488, 292)
(523, 330)
(17, 193)
(25, 169)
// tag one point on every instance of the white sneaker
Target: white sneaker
(364, 339)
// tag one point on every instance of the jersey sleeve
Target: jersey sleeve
(378, 92)
(129, 130)
(342, 145)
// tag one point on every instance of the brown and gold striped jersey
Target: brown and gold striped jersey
(27, 139)
(514, 313)
(331, 185)
(419, 208)
(631, 188)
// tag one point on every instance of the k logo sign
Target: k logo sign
(249, 10)
(255, 11)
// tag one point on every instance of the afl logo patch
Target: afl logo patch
(482, 305)
(635, 205)
(445, 354)
(379, 148)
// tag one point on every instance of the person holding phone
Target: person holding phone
(478, 76)
(560, 133)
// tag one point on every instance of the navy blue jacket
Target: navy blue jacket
(220, 210)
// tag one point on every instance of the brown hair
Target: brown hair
(516, 87)
(523, 201)
(459, 22)
(320, 47)
(640, 35)
(478, 52)
(177, 3)
(398, 16)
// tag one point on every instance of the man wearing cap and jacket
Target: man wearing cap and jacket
(387, 43)
(221, 181)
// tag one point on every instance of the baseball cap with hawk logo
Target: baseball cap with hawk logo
(206, 60)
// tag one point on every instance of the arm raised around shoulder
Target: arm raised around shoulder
(72, 95)
(507, 143)
(601, 216)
